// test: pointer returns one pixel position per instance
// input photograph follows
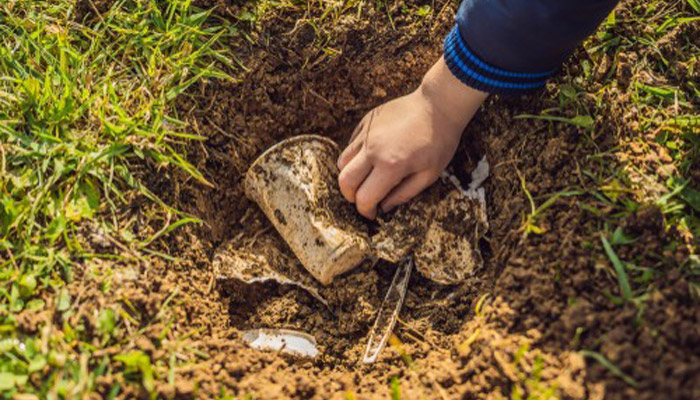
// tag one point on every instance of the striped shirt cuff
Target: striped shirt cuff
(478, 74)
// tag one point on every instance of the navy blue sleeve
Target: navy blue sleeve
(513, 46)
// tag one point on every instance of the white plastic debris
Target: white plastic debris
(440, 229)
(283, 340)
(263, 262)
(478, 177)
(449, 252)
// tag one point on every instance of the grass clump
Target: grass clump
(82, 106)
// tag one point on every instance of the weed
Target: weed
(530, 386)
(395, 388)
(619, 270)
(610, 367)
(139, 363)
(398, 345)
(529, 222)
(582, 121)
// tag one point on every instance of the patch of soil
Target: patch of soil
(549, 288)
(89, 11)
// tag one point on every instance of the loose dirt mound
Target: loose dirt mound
(549, 287)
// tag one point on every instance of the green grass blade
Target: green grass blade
(583, 121)
(619, 269)
(610, 367)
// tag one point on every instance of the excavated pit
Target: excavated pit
(539, 299)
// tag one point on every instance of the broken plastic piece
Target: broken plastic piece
(260, 263)
(441, 228)
(388, 312)
(478, 176)
(449, 252)
(283, 340)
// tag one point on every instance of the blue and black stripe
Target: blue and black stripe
(476, 73)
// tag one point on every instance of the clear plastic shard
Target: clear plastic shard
(388, 312)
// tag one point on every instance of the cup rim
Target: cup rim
(277, 146)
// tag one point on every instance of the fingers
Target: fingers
(365, 124)
(352, 175)
(355, 145)
(358, 129)
(406, 190)
(349, 153)
(374, 188)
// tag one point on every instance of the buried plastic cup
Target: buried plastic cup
(294, 183)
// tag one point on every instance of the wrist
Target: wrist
(449, 97)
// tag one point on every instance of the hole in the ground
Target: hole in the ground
(354, 297)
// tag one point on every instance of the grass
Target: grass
(534, 388)
(529, 222)
(610, 366)
(77, 116)
(661, 127)
(641, 115)
(665, 113)
(620, 270)
(395, 388)
(82, 107)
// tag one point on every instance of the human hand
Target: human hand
(402, 146)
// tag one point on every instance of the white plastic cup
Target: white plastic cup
(295, 184)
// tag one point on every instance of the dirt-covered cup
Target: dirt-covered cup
(294, 183)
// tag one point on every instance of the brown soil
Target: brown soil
(546, 298)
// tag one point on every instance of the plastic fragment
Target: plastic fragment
(283, 340)
(440, 229)
(261, 263)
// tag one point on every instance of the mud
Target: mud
(548, 289)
